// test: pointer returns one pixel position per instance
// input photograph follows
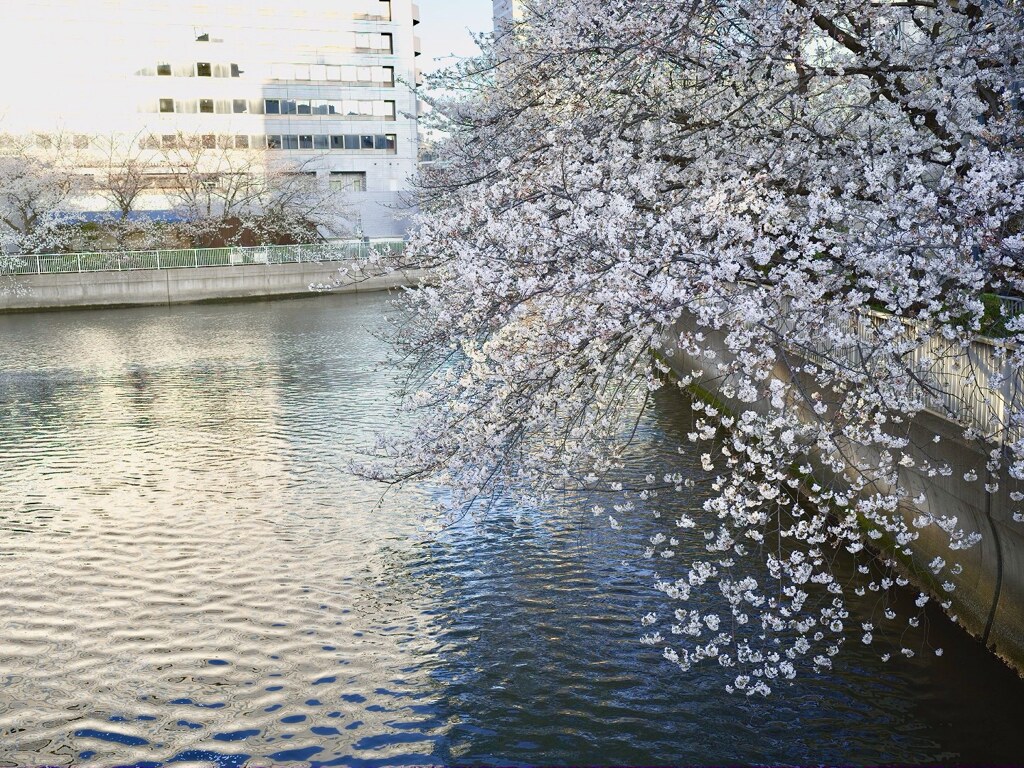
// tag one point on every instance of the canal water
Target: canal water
(188, 575)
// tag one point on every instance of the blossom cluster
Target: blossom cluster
(794, 209)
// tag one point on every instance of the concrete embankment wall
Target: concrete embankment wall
(989, 596)
(185, 285)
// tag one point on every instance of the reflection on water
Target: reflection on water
(187, 575)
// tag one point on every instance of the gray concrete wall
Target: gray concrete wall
(182, 286)
(989, 597)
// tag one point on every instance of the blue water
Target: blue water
(187, 574)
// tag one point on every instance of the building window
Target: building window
(81, 141)
(272, 106)
(241, 142)
(386, 43)
(366, 142)
(206, 106)
(203, 69)
(303, 108)
(239, 106)
(390, 142)
(351, 141)
(389, 75)
(348, 181)
(169, 142)
(225, 142)
(320, 142)
(273, 142)
(235, 71)
(290, 142)
(209, 141)
(166, 105)
(163, 69)
(289, 107)
(305, 142)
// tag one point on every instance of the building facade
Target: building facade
(323, 84)
(506, 11)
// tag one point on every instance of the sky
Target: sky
(445, 27)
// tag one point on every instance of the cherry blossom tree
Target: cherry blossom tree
(37, 188)
(798, 205)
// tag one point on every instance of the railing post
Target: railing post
(79, 261)
(39, 265)
(158, 259)
(195, 257)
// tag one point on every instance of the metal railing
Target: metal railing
(974, 385)
(181, 258)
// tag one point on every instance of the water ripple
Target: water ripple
(188, 576)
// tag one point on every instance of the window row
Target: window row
(341, 73)
(352, 109)
(383, 110)
(193, 69)
(351, 142)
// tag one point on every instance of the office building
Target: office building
(325, 83)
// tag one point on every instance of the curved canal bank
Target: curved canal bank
(988, 599)
(186, 574)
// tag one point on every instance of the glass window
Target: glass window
(366, 108)
(337, 142)
(209, 141)
(302, 72)
(390, 142)
(317, 72)
(334, 73)
(163, 70)
(389, 75)
(303, 107)
(305, 142)
(318, 107)
(320, 142)
(273, 142)
(206, 106)
(288, 107)
(351, 141)
(385, 43)
(166, 105)
(168, 142)
(362, 40)
(364, 74)
(235, 71)
(350, 107)
(348, 74)
(348, 181)
(380, 142)
(241, 142)
(203, 69)
(366, 142)
(225, 142)
(239, 106)
(272, 106)
(290, 142)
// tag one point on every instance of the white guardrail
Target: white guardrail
(181, 258)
